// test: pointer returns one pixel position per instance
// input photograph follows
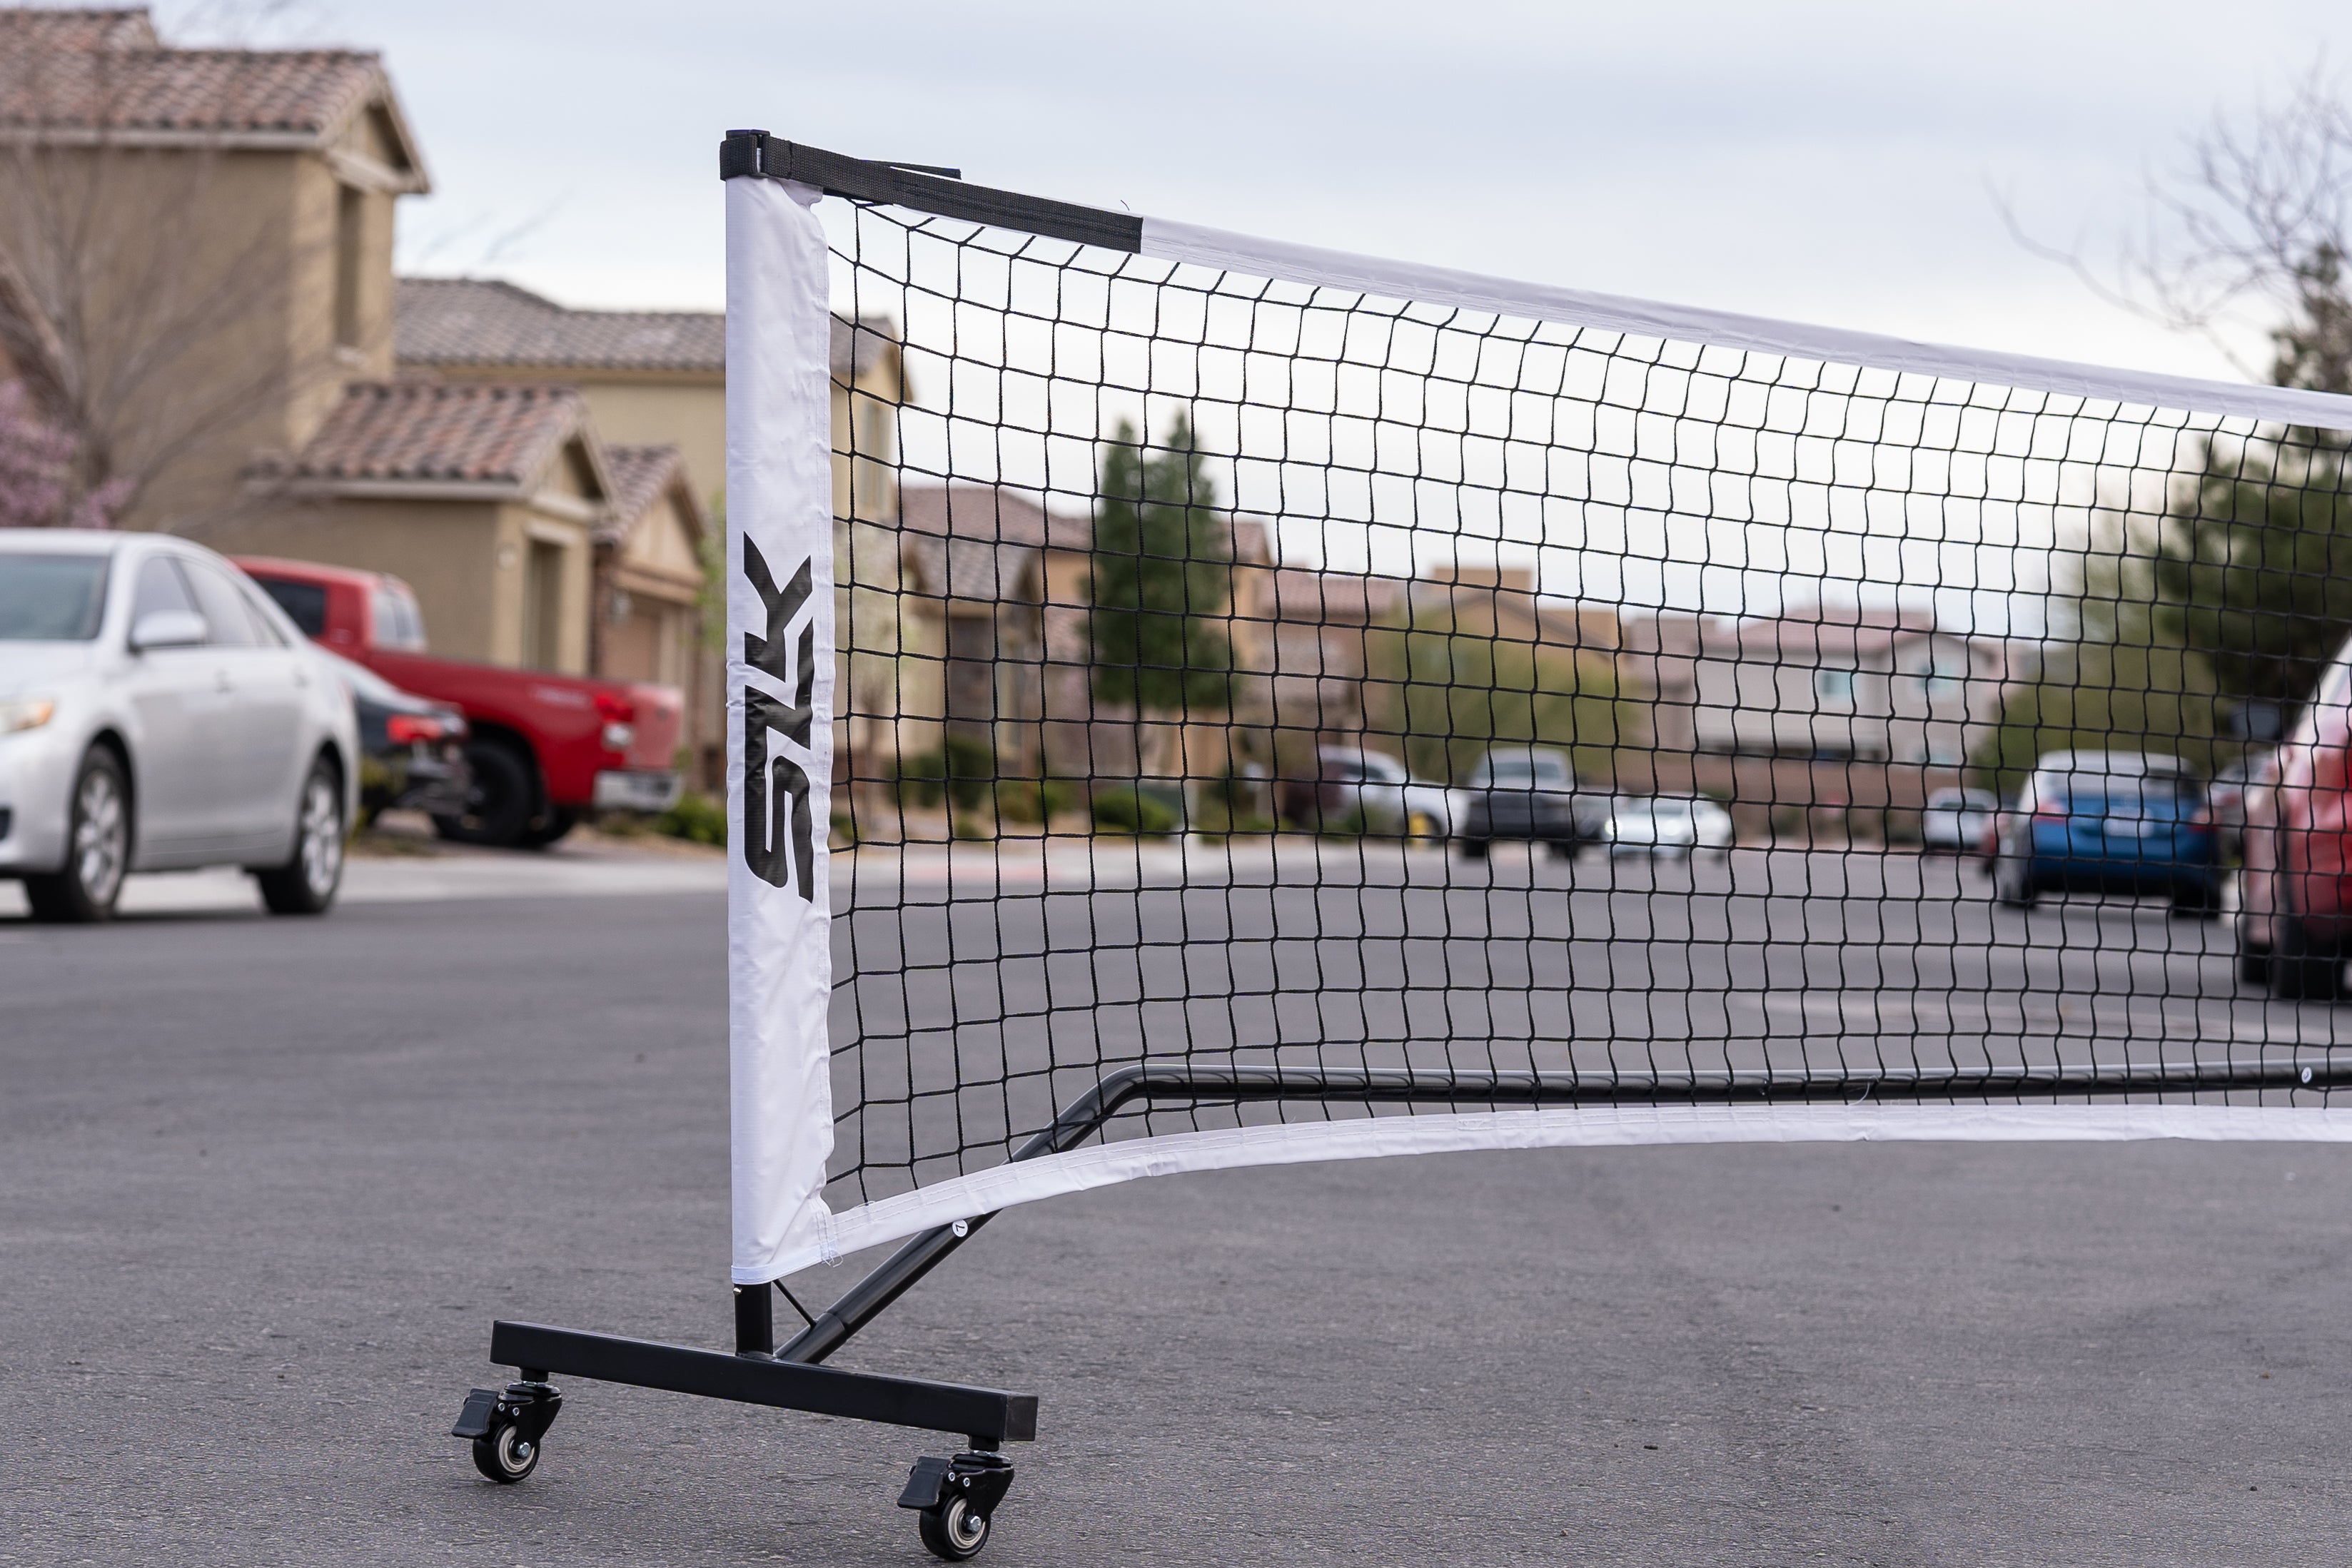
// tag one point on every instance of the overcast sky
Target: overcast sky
(1823, 162)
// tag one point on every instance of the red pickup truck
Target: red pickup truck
(544, 748)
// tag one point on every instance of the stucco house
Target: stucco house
(646, 613)
(485, 498)
(1822, 706)
(658, 378)
(196, 246)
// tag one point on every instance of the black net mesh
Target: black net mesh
(1236, 673)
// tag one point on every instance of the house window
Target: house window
(1944, 680)
(351, 218)
(1834, 687)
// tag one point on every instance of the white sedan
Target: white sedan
(1956, 821)
(158, 712)
(1401, 804)
(1667, 825)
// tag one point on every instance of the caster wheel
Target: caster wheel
(506, 1456)
(953, 1531)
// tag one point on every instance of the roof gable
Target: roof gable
(643, 479)
(70, 76)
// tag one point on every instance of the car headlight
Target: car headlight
(26, 713)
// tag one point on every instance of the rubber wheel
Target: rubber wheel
(2254, 966)
(307, 882)
(506, 1456)
(557, 821)
(2197, 901)
(951, 1531)
(1563, 849)
(2297, 976)
(97, 847)
(1474, 849)
(2012, 889)
(502, 800)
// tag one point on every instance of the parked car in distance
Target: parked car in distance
(158, 713)
(1953, 821)
(412, 748)
(2109, 821)
(2295, 894)
(2225, 801)
(1667, 825)
(543, 748)
(1371, 792)
(1528, 792)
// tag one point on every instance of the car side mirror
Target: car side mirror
(168, 629)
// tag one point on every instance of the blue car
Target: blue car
(2109, 821)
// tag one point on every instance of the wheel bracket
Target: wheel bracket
(530, 1407)
(980, 1477)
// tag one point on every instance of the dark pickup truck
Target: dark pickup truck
(544, 748)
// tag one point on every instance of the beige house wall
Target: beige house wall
(231, 255)
(650, 624)
(467, 560)
(446, 551)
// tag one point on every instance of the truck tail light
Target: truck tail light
(620, 717)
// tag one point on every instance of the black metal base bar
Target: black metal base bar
(1174, 1083)
(987, 1417)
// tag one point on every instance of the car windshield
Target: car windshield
(305, 603)
(47, 597)
(1520, 768)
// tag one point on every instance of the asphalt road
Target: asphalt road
(264, 1184)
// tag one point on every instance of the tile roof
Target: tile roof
(487, 322)
(984, 512)
(91, 27)
(430, 432)
(640, 477)
(1303, 595)
(87, 69)
(979, 543)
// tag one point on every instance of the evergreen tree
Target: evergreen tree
(2255, 566)
(2115, 674)
(1163, 578)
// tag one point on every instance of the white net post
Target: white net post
(779, 641)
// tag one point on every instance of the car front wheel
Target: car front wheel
(307, 882)
(97, 847)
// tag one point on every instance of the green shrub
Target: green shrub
(1020, 800)
(963, 772)
(922, 779)
(1123, 810)
(697, 819)
(1035, 801)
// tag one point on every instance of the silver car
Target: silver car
(158, 712)
(1955, 822)
(1667, 825)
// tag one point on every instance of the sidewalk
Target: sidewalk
(429, 873)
